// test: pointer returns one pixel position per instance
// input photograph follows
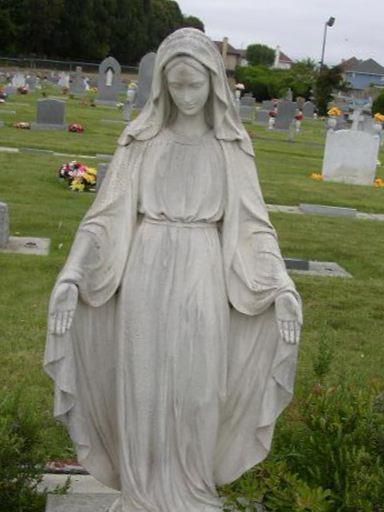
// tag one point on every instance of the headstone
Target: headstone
(50, 115)
(109, 81)
(300, 102)
(101, 172)
(4, 225)
(267, 105)
(332, 211)
(350, 156)
(147, 64)
(77, 85)
(247, 108)
(64, 81)
(31, 82)
(308, 109)
(296, 264)
(18, 80)
(262, 116)
(289, 95)
(286, 111)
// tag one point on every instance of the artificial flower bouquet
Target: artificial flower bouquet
(79, 176)
(76, 128)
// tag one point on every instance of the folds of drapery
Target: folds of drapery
(261, 367)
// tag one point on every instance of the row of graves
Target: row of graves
(283, 114)
(353, 137)
(108, 87)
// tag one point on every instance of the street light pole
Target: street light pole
(329, 23)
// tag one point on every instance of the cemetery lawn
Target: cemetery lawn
(348, 313)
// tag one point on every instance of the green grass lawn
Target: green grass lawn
(348, 312)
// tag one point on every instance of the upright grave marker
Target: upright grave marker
(286, 111)
(50, 115)
(109, 81)
(350, 156)
(146, 67)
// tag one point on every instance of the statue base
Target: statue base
(80, 502)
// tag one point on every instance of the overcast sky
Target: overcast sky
(297, 25)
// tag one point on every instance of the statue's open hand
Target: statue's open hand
(289, 317)
(62, 307)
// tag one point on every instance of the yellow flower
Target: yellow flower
(92, 170)
(379, 117)
(334, 111)
(379, 182)
(316, 176)
(89, 177)
(77, 185)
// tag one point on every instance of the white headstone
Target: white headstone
(350, 156)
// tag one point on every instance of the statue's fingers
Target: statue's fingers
(51, 323)
(59, 323)
(65, 321)
(69, 320)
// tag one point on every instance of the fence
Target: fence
(57, 65)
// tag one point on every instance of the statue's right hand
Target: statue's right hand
(62, 307)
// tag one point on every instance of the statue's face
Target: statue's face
(188, 87)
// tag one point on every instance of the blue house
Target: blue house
(362, 74)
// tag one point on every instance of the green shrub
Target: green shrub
(328, 451)
(22, 456)
(378, 104)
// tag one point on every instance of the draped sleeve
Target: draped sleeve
(100, 249)
(254, 268)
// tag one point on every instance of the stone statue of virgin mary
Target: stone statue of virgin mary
(173, 326)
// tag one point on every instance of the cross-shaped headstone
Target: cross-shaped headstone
(356, 118)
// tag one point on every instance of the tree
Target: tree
(378, 104)
(192, 21)
(166, 17)
(260, 54)
(328, 81)
(303, 76)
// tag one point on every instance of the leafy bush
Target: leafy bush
(378, 104)
(21, 456)
(328, 452)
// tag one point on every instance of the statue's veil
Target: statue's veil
(221, 111)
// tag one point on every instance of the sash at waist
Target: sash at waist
(179, 224)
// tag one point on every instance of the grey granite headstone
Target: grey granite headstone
(77, 86)
(147, 64)
(50, 115)
(296, 264)
(109, 81)
(308, 109)
(262, 117)
(321, 209)
(286, 111)
(80, 502)
(267, 105)
(4, 224)
(101, 172)
(247, 108)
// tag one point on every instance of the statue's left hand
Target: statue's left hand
(289, 317)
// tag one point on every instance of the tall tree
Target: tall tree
(193, 21)
(329, 80)
(260, 54)
(166, 17)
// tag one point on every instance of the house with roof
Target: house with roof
(282, 61)
(231, 56)
(361, 74)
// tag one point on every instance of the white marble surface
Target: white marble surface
(350, 156)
